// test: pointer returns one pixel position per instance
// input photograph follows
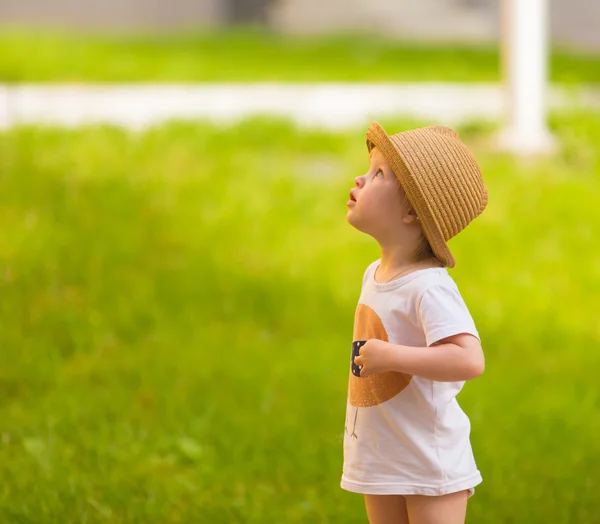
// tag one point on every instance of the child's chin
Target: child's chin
(352, 219)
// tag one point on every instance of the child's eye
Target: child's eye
(380, 172)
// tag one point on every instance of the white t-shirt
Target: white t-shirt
(404, 434)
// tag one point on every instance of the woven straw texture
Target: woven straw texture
(441, 178)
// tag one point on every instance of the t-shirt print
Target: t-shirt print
(375, 389)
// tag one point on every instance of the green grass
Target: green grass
(176, 319)
(42, 56)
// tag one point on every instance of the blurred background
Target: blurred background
(571, 23)
(178, 280)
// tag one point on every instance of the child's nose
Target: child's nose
(359, 180)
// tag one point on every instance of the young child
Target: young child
(406, 444)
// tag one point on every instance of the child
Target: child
(406, 444)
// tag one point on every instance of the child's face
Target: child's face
(377, 202)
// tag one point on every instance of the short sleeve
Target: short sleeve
(443, 313)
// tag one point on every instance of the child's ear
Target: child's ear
(410, 217)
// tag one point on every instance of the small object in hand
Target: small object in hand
(356, 345)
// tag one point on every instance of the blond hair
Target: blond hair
(423, 250)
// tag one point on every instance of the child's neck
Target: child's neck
(396, 257)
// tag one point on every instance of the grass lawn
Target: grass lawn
(42, 56)
(176, 320)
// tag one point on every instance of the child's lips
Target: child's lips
(352, 200)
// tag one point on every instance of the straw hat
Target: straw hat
(441, 178)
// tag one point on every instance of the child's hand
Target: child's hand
(376, 356)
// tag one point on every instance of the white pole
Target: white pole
(525, 50)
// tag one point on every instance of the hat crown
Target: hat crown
(443, 130)
(447, 176)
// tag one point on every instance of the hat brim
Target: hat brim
(392, 152)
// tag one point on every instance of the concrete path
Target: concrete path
(329, 105)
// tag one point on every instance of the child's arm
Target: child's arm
(453, 359)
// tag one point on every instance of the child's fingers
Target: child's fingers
(358, 360)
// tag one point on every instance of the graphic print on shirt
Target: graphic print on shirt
(375, 389)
